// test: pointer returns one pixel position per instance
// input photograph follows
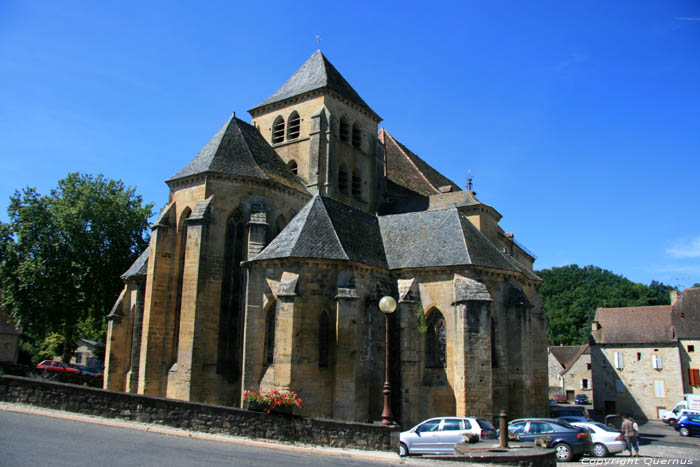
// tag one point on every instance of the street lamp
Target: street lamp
(387, 305)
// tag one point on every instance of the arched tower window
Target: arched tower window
(436, 341)
(292, 164)
(343, 179)
(323, 332)
(344, 130)
(278, 130)
(356, 135)
(356, 184)
(232, 297)
(270, 337)
(293, 125)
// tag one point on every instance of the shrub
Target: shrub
(273, 398)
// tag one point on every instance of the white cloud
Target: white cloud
(688, 18)
(685, 249)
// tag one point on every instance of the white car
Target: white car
(605, 440)
(439, 435)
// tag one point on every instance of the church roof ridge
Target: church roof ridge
(317, 73)
(237, 148)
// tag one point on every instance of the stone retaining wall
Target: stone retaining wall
(197, 416)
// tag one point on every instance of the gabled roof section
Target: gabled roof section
(317, 73)
(405, 168)
(138, 267)
(568, 354)
(239, 149)
(329, 229)
(437, 238)
(634, 325)
(686, 314)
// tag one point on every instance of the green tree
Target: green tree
(571, 294)
(61, 255)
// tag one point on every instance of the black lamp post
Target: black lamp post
(387, 305)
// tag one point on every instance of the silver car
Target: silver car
(439, 435)
(605, 440)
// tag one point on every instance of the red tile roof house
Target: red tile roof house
(644, 359)
(570, 371)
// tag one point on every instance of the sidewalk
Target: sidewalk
(353, 453)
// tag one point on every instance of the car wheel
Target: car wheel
(563, 452)
(403, 450)
(599, 450)
(684, 431)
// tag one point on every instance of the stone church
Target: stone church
(280, 237)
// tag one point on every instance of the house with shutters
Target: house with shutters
(278, 240)
(644, 359)
(570, 371)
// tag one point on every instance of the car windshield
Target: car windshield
(430, 425)
(484, 424)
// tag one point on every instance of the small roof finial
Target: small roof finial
(469, 180)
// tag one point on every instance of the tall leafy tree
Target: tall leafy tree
(61, 254)
(571, 294)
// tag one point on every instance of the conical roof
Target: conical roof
(329, 229)
(239, 149)
(317, 73)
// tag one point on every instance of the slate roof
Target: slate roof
(634, 325)
(568, 354)
(686, 314)
(405, 168)
(239, 149)
(437, 238)
(329, 229)
(317, 73)
(138, 267)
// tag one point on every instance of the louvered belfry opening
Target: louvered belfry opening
(292, 164)
(293, 126)
(356, 136)
(344, 130)
(356, 184)
(278, 130)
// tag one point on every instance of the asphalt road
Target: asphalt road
(36, 440)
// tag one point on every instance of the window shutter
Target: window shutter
(582, 386)
(694, 374)
(619, 361)
(659, 389)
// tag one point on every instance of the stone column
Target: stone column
(410, 351)
(321, 164)
(132, 377)
(346, 364)
(287, 324)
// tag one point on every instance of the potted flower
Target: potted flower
(272, 401)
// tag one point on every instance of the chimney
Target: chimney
(674, 296)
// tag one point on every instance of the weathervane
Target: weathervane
(318, 39)
(469, 180)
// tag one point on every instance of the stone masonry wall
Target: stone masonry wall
(198, 416)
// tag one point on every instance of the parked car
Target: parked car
(569, 411)
(581, 399)
(439, 435)
(56, 367)
(561, 399)
(605, 440)
(567, 440)
(83, 370)
(688, 424)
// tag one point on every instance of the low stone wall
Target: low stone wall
(196, 416)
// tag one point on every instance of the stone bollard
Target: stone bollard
(503, 428)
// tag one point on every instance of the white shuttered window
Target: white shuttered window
(619, 361)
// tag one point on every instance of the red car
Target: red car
(561, 399)
(56, 366)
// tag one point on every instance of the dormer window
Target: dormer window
(344, 130)
(293, 125)
(343, 179)
(356, 136)
(292, 164)
(356, 184)
(278, 130)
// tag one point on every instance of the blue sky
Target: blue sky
(580, 121)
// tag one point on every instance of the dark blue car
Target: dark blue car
(688, 424)
(581, 399)
(568, 441)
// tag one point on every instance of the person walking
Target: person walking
(630, 435)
